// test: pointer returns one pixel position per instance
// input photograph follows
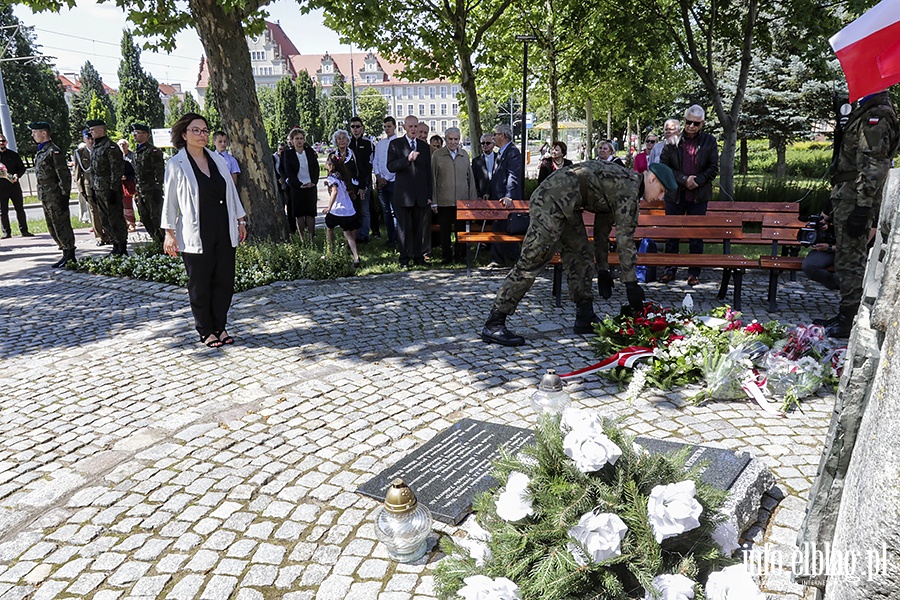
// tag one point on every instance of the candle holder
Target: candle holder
(402, 524)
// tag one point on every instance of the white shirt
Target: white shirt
(303, 171)
(411, 142)
(380, 162)
(489, 158)
(453, 153)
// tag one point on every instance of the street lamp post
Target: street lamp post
(525, 39)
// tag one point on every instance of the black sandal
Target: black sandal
(227, 339)
(211, 341)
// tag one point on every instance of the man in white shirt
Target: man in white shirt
(671, 129)
(384, 179)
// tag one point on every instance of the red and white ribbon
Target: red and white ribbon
(623, 358)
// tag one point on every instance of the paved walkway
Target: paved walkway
(136, 463)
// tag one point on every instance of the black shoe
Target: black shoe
(584, 317)
(667, 278)
(827, 322)
(842, 328)
(404, 264)
(495, 331)
(6, 235)
(27, 234)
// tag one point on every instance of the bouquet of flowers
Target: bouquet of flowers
(587, 513)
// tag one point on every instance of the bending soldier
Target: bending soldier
(54, 182)
(613, 194)
(870, 140)
(150, 170)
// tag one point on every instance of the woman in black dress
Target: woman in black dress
(556, 160)
(204, 219)
(301, 172)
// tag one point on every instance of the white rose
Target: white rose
(576, 418)
(726, 536)
(514, 503)
(476, 542)
(589, 447)
(732, 583)
(482, 587)
(671, 587)
(601, 535)
(673, 509)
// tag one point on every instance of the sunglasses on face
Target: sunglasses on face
(694, 123)
(651, 141)
(355, 126)
(487, 143)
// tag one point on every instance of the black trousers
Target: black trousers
(446, 217)
(12, 191)
(412, 227)
(211, 284)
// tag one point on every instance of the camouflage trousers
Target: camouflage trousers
(112, 215)
(150, 206)
(850, 256)
(56, 212)
(550, 228)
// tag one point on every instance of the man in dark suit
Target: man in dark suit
(483, 166)
(410, 160)
(506, 185)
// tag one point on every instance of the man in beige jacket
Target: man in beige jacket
(453, 180)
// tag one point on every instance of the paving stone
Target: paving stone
(150, 586)
(187, 588)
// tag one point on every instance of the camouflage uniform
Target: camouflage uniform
(81, 158)
(871, 137)
(608, 190)
(53, 184)
(107, 167)
(150, 169)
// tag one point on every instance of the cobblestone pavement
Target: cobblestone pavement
(137, 463)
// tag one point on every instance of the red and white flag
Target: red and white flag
(869, 50)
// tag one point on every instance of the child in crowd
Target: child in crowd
(340, 211)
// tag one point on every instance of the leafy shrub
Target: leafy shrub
(803, 159)
(256, 264)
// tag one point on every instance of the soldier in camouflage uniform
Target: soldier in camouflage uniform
(54, 182)
(870, 140)
(613, 194)
(107, 168)
(150, 170)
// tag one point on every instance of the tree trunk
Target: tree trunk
(744, 159)
(467, 81)
(231, 77)
(726, 160)
(780, 162)
(554, 98)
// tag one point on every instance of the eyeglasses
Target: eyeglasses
(651, 141)
(486, 143)
(2, 141)
(198, 131)
(356, 126)
(694, 123)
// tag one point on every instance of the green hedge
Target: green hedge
(803, 159)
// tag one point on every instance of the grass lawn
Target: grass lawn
(40, 225)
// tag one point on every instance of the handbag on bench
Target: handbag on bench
(517, 223)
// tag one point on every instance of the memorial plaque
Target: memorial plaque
(452, 468)
(448, 472)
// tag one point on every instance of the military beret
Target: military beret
(39, 125)
(140, 127)
(665, 175)
(95, 123)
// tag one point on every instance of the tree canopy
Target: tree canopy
(138, 94)
(372, 108)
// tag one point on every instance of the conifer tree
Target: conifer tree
(33, 91)
(139, 100)
(266, 97)
(338, 108)
(175, 110)
(91, 85)
(308, 106)
(190, 105)
(286, 113)
(211, 111)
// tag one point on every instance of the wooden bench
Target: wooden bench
(723, 228)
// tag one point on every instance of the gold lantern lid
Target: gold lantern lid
(551, 382)
(399, 498)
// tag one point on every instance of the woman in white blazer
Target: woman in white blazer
(204, 219)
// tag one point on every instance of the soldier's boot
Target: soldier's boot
(119, 249)
(585, 317)
(66, 257)
(495, 331)
(844, 324)
(827, 322)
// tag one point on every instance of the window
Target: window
(399, 110)
(455, 123)
(443, 109)
(454, 90)
(409, 109)
(326, 68)
(455, 109)
(431, 92)
(421, 109)
(443, 125)
(433, 109)
(443, 91)
(421, 92)
(400, 93)
(433, 125)
(409, 92)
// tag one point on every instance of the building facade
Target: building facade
(273, 56)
